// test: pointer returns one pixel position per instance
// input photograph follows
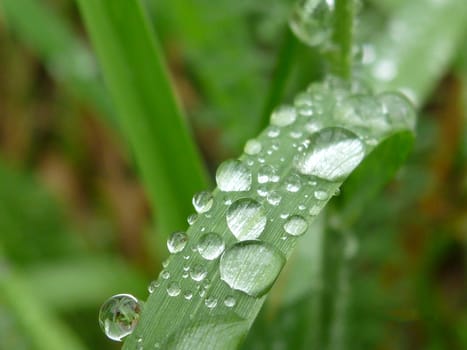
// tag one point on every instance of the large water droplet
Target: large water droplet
(177, 242)
(332, 154)
(119, 315)
(233, 175)
(251, 267)
(246, 219)
(202, 201)
(211, 246)
(398, 109)
(283, 116)
(295, 225)
(252, 147)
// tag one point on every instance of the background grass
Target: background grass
(75, 223)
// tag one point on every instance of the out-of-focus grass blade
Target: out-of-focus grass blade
(419, 43)
(82, 283)
(137, 80)
(41, 326)
(51, 37)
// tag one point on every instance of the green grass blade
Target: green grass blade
(136, 77)
(67, 58)
(166, 319)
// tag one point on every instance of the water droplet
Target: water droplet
(173, 289)
(165, 263)
(321, 195)
(210, 302)
(295, 225)
(293, 183)
(251, 267)
(311, 21)
(252, 147)
(177, 242)
(267, 173)
(119, 315)
(262, 190)
(333, 153)
(314, 210)
(202, 201)
(398, 109)
(192, 219)
(198, 273)
(211, 246)
(233, 176)
(165, 274)
(274, 198)
(188, 294)
(385, 70)
(230, 301)
(246, 219)
(153, 286)
(295, 134)
(304, 104)
(273, 131)
(283, 116)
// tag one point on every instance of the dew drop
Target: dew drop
(202, 201)
(252, 147)
(211, 246)
(262, 190)
(273, 131)
(210, 302)
(321, 195)
(266, 173)
(230, 301)
(274, 198)
(251, 267)
(295, 225)
(198, 273)
(119, 315)
(398, 109)
(233, 176)
(153, 286)
(283, 116)
(192, 219)
(246, 219)
(173, 289)
(188, 294)
(165, 274)
(303, 104)
(177, 242)
(293, 183)
(332, 154)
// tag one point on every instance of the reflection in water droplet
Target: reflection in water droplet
(211, 246)
(202, 201)
(332, 154)
(283, 116)
(198, 272)
(251, 267)
(252, 147)
(233, 176)
(173, 289)
(246, 219)
(295, 225)
(119, 315)
(177, 242)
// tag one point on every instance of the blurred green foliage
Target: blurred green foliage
(75, 224)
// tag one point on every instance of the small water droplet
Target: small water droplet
(262, 190)
(210, 302)
(321, 195)
(251, 267)
(233, 176)
(301, 207)
(119, 315)
(296, 134)
(304, 104)
(192, 219)
(202, 201)
(295, 225)
(294, 183)
(246, 219)
(230, 301)
(333, 153)
(198, 272)
(266, 173)
(283, 116)
(273, 131)
(398, 109)
(165, 274)
(188, 294)
(173, 289)
(153, 286)
(252, 147)
(211, 246)
(165, 263)
(274, 198)
(314, 210)
(177, 242)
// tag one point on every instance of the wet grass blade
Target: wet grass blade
(137, 80)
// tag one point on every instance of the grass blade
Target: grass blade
(138, 82)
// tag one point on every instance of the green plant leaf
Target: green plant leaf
(136, 77)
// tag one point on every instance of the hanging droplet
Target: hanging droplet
(295, 225)
(210, 246)
(198, 272)
(173, 289)
(252, 147)
(283, 116)
(332, 154)
(202, 201)
(398, 109)
(119, 315)
(246, 219)
(177, 242)
(233, 176)
(251, 267)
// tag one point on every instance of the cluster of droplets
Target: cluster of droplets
(327, 127)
